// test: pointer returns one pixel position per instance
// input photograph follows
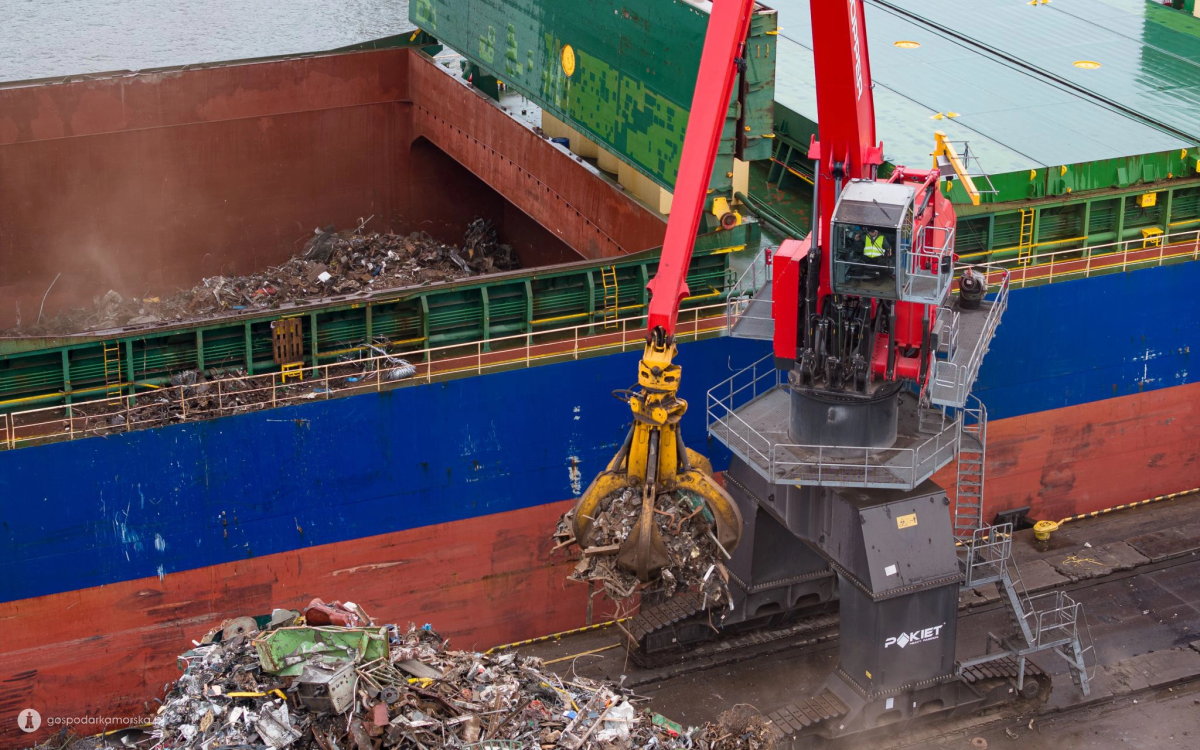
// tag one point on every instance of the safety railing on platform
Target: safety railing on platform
(959, 378)
(779, 460)
(946, 325)
(1053, 618)
(228, 394)
(986, 555)
(925, 270)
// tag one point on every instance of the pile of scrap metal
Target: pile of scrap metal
(331, 264)
(740, 728)
(329, 678)
(687, 530)
(192, 395)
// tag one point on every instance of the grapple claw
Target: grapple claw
(643, 552)
(654, 459)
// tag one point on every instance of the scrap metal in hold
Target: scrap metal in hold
(281, 681)
(332, 263)
(687, 530)
(193, 395)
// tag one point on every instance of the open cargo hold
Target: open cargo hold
(154, 180)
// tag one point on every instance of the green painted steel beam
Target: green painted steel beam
(49, 371)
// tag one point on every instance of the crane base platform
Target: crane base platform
(1139, 570)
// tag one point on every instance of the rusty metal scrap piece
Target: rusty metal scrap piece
(674, 527)
(416, 695)
(331, 264)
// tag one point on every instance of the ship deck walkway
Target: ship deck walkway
(1137, 573)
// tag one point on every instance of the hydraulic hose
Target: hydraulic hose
(770, 218)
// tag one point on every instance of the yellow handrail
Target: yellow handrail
(58, 422)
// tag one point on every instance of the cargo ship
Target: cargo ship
(127, 528)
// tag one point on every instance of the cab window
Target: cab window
(864, 260)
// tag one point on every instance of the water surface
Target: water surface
(44, 38)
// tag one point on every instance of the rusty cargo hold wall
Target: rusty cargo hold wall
(620, 75)
(147, 182)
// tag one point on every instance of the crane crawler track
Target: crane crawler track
(680, 630)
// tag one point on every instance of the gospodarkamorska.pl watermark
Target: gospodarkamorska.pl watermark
(30, 720)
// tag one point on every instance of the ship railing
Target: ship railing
(362, 369)
(960, 377)
(747, 412)
(746, 315)
(1091, 260)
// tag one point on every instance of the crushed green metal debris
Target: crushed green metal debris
(281, 682)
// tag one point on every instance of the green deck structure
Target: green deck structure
(1019, 99)
(622, 75)
(46, 371)
(1068, 149)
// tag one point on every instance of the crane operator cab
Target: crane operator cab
(874, 226)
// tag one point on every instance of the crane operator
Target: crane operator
(875, 245)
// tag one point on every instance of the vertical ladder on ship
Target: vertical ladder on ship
(972, 462)
(612, 297)
(112, 372)
(1025, 239)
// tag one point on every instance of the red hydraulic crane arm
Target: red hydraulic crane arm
(844, 98)
(723, 43)
(846, 106)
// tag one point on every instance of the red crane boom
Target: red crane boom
(723, 43)
(653, 455)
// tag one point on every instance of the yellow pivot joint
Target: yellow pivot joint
(945, 152)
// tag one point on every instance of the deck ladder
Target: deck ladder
(778, 171)
(1025, 241)
(612, 297)
(972, 460)
(781, 165)
(112, 372)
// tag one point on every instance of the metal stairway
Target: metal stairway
(748, 306)
(972, 462)
(1045, 622)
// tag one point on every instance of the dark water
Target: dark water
(44, 38)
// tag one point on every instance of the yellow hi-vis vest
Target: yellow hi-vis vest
(873, 248)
